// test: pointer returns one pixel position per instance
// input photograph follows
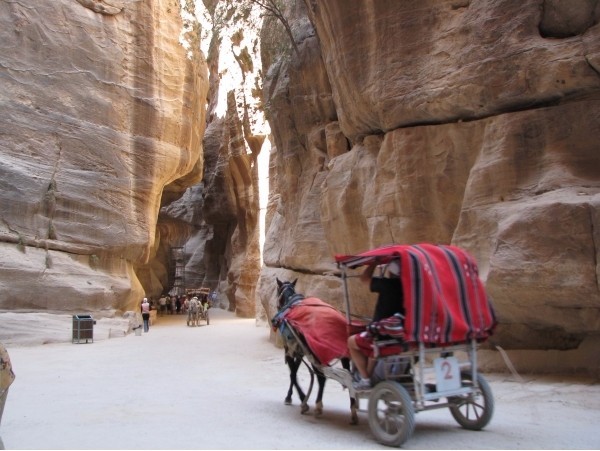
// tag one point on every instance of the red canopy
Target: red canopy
(444, 297)
(381, 254)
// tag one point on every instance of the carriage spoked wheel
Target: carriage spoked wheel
(391, 413)
(473, 411)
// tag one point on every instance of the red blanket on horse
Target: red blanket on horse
(323, 327)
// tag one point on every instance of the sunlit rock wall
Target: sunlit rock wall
(465, 122)
(102, 117)
(221, 246)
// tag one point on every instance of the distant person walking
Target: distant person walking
(170, 305)
(146, 314)
(162, 302)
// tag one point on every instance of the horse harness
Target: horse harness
(290, 299)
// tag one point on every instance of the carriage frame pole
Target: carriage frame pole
(346, 294)
(473, 358)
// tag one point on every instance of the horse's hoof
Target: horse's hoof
(319, 409)
(354, 420)
(288, 401)
(304, 409)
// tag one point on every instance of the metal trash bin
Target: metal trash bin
(83, 328)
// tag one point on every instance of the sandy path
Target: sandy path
(222, 387)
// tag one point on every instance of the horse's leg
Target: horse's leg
(304, 408)
(321, 380)
(353, 404)
(293, 364)
(288, 398)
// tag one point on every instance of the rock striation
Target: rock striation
(462, 122)
(103, 117)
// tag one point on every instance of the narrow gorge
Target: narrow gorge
(262, 146)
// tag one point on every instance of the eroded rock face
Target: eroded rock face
(102, 116)
(215, 222)
(445, 61)
(244, 242)
(449, 122)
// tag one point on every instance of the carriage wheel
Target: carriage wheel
(207, 318)
(473, 411)
(391, 413)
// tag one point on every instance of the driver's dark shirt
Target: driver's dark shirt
(391, 297)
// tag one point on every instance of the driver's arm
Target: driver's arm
(368, 273)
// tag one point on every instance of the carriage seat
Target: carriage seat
(356, 327)
(388, 336)
(383, 347)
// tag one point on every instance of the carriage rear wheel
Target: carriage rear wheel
(391, 413)
(207, 318)
(473, 411)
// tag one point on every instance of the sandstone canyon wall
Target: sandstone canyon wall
(465, 122)
(217, 221)
(103, 115)
(113, 154)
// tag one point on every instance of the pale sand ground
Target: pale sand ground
(222, 387)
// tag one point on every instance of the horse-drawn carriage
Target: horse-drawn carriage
(198, 307)
(428, 361)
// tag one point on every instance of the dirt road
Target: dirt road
(222, 387)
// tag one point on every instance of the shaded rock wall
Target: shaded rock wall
(232, 204)
(464, 122)
(222, 212)
(222, 247)
(103, 116)
(210, 209)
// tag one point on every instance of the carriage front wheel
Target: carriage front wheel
(391, 413)
(473, 411)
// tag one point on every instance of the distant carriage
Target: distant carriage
(199, 305)
(192, 313)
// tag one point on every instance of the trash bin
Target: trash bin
(83, 328)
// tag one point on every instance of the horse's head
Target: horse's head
(285, 292)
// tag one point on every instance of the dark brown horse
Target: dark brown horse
(296, 346)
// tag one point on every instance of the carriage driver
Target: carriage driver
(389, 302)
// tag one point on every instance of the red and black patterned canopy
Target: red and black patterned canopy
(445, 300)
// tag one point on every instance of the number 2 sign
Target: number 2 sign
(447, 373)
